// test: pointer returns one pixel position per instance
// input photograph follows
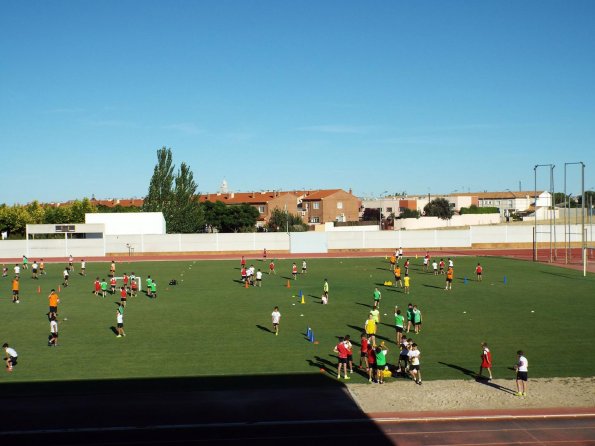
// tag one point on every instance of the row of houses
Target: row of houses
(337, 205)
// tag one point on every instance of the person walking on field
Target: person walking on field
(120, 323)
(276, 319)
(325, 290)
(522, 369)
(486, 361)
(15, 290)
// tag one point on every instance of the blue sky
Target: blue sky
(416, 96)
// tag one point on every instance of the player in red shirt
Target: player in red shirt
(244, 274)
(343, 352)
(478, 271)
(272, 268)
(112, 284)
(123, 296)
(364, 351)
(294, 271)
(441, 265)
(371, 363)
(97, 286)
(133, 287)
(486, 360)
(243, 262)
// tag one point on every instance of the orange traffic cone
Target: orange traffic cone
(245, 284)
(59, 288)
(38, 289)
(288, 284)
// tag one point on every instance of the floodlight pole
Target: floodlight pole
(583, 239)
(551, 166)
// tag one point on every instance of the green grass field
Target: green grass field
(209, 325)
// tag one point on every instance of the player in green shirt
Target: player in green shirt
(149, 283)
(103, 288)
(416, 319)
(409, 317)
(377, 297)
(153, 289)
(381, 352)
(399, 324)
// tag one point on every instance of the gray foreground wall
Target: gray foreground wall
(308, 242)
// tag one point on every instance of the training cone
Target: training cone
(312, 337)
(38, 289)
(465, 281)
(246, 284)
(504, 280)
(59, 288)
(288, 284)
(303, 301)
(308, 333)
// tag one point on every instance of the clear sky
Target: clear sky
(377, 96)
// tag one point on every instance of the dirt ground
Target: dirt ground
(403, 395)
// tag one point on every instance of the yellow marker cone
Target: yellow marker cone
(303, 300)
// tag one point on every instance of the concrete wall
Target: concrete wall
(296, 242)
(129, 222)
(456, 220)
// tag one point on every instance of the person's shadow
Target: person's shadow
(268, 330)
(479, 379)
(114, 329)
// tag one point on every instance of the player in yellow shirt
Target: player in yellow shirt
(406, 283)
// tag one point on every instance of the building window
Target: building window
(315, 220)
(316, 205)
(389, 209)
(339, 205)
(261, 209)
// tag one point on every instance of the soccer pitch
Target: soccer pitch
(210, 325)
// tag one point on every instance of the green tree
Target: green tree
(57, 215)
(15, 219)
(187, 215)
(409, 213)
(78, 209)
(371, 214)
(174, 195)
(281, 220)
(240, 218)
(160, 195)
(439, 207)
(36, 212)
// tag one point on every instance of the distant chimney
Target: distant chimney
(233, 194)
(350, 191)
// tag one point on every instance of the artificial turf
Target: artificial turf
(210, 325)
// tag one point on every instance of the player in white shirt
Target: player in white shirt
(304, 267)
(522, 369)
(53, 341)
(414, 370)
(11, 357)
(34, 269)
(435, 267)
(259, 278)
(451, 264)
(276, 318)
(83, 267)
(17, 270)
(120, 323)
(66, 275)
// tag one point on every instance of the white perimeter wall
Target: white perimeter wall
(296, 242)
(129, 222)
(456, 220)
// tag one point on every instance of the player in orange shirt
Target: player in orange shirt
(15, 290)
(449, 276)
(398, 276)
(53, 300)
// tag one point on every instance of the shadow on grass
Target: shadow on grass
(479, 379)
(565, 276)
(433, 286)
(180, 410)
(363, 304)
(268, 330)
(314, 297)
(114, 330)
